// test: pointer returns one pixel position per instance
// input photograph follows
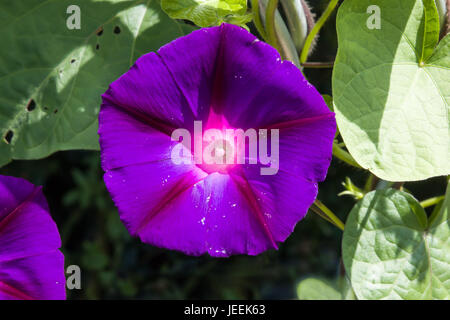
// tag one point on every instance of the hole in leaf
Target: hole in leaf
(97, 46)
(99, 31)
(116, 29)
(72, 61)
(55, 111)
(31, 105)
(8, 136)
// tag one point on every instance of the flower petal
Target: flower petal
(229, 69)
(148, 92)
(121, 130)
(29, 242)
(305, 149)
(192, 62)
(226, 76)
(141, 191)
(38, 277)
(281, 200)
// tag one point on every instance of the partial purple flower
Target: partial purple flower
(31, 266)
(226, 78)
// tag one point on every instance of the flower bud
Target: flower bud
(300, 20)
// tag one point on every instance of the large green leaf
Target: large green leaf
(51, 78)
(318, 289)
(206, 13)
(391, 89)
(390, 251)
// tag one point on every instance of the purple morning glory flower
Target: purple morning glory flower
(216, 78)
(31, 266)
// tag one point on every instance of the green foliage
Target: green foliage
(318, 289)
(51, 78)
(328, 100)
(351, 190)
(94, 258)
(206, 13)
(431, 29)
(391, 89)
(391, 250)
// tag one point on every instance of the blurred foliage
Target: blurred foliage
(114, 265)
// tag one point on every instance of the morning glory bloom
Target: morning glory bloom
(31, 266)
(214, 196)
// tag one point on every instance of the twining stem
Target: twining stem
(315, 30)
(318, 65)
(436, 210)
(431, 202)
(343, 155)
(319, 208)
(270, 24)
(257, 19)
(320, 214)
(369, 185)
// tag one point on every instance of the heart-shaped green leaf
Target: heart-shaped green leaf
(51, 77)
(318, 289)
(390, 251)
(391, 88)
(206, 13)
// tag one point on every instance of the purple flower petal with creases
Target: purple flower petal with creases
(31, 266)
(226, 78)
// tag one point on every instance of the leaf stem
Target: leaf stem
(431, 202)
(320, 209)
(369, 185)
(318, 65)
(315, 30)
(257, 19)
(321, 214)
(344, 156)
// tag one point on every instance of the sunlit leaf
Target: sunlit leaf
(318, 289)
(206, 13)
(391, 89)
(51, 77)
(390, 252)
